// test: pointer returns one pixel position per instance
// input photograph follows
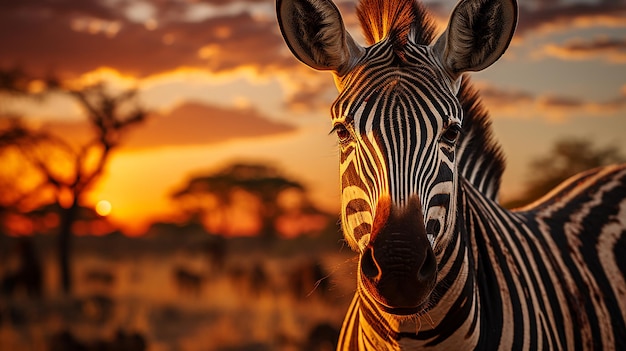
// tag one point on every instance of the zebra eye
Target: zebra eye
(342, 133)
(451, 134)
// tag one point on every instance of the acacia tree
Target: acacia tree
(567, 158)
(69, 169)
(19, 180)
(211, 195)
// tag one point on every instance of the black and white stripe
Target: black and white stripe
(420, 174)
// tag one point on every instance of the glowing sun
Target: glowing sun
(103, 208)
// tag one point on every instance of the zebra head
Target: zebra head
(399, 124)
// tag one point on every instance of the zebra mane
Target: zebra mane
(479, 157)
(395, 19)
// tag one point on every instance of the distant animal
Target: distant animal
(123, 341)
(188, 282)
(99, 277)
(27, 277)
(252, 279)
(96, 308)
(322, 337)
(259, 280)
(308, 278)
(441, 264)
(216, 251)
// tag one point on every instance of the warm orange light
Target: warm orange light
(103, 208)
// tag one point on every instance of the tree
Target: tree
(19, 179)
(259, 188)
(567, 158)
(66, 169)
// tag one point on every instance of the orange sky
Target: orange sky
(222, 86)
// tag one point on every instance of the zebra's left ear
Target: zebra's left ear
(479, 33)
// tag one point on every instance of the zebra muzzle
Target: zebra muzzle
(398, 266)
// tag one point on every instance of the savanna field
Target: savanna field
(179, 291)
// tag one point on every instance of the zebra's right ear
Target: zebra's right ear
(478, 34)
(314, 31)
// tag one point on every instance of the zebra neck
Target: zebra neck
(365, 327)
(480, 225)
(466, 280)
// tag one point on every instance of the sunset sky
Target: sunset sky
(222, 86)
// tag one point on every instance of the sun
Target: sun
(103, 208)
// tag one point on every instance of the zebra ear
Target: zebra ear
(314, 31)
(479, 33)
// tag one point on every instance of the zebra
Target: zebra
(441, 264)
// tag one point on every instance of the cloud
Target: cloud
(188, 124)
(503, 98)
(551, 16)
(145, 39)
(46, 36)
(312, 94)
(47, 8)
(559, 15)
(609, 49)
(196, 123)
(524, 104)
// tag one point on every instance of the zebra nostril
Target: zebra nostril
(428, 268)
(433, 227)
(369, 267)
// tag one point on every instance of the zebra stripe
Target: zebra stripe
(532, 285)
(441, 264)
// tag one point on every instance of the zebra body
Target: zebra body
(507, 284)
(441, 264)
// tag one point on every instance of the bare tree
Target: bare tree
(69, 170)
(19, 179)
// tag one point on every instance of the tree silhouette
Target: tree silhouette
(212, 195)
(19, 178)
(68, 170)
(567, 158)
(12, 185)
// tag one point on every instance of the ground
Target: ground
(254, 296)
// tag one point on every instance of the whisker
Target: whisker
(429, 319)
(333, 271)
(418, 325)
